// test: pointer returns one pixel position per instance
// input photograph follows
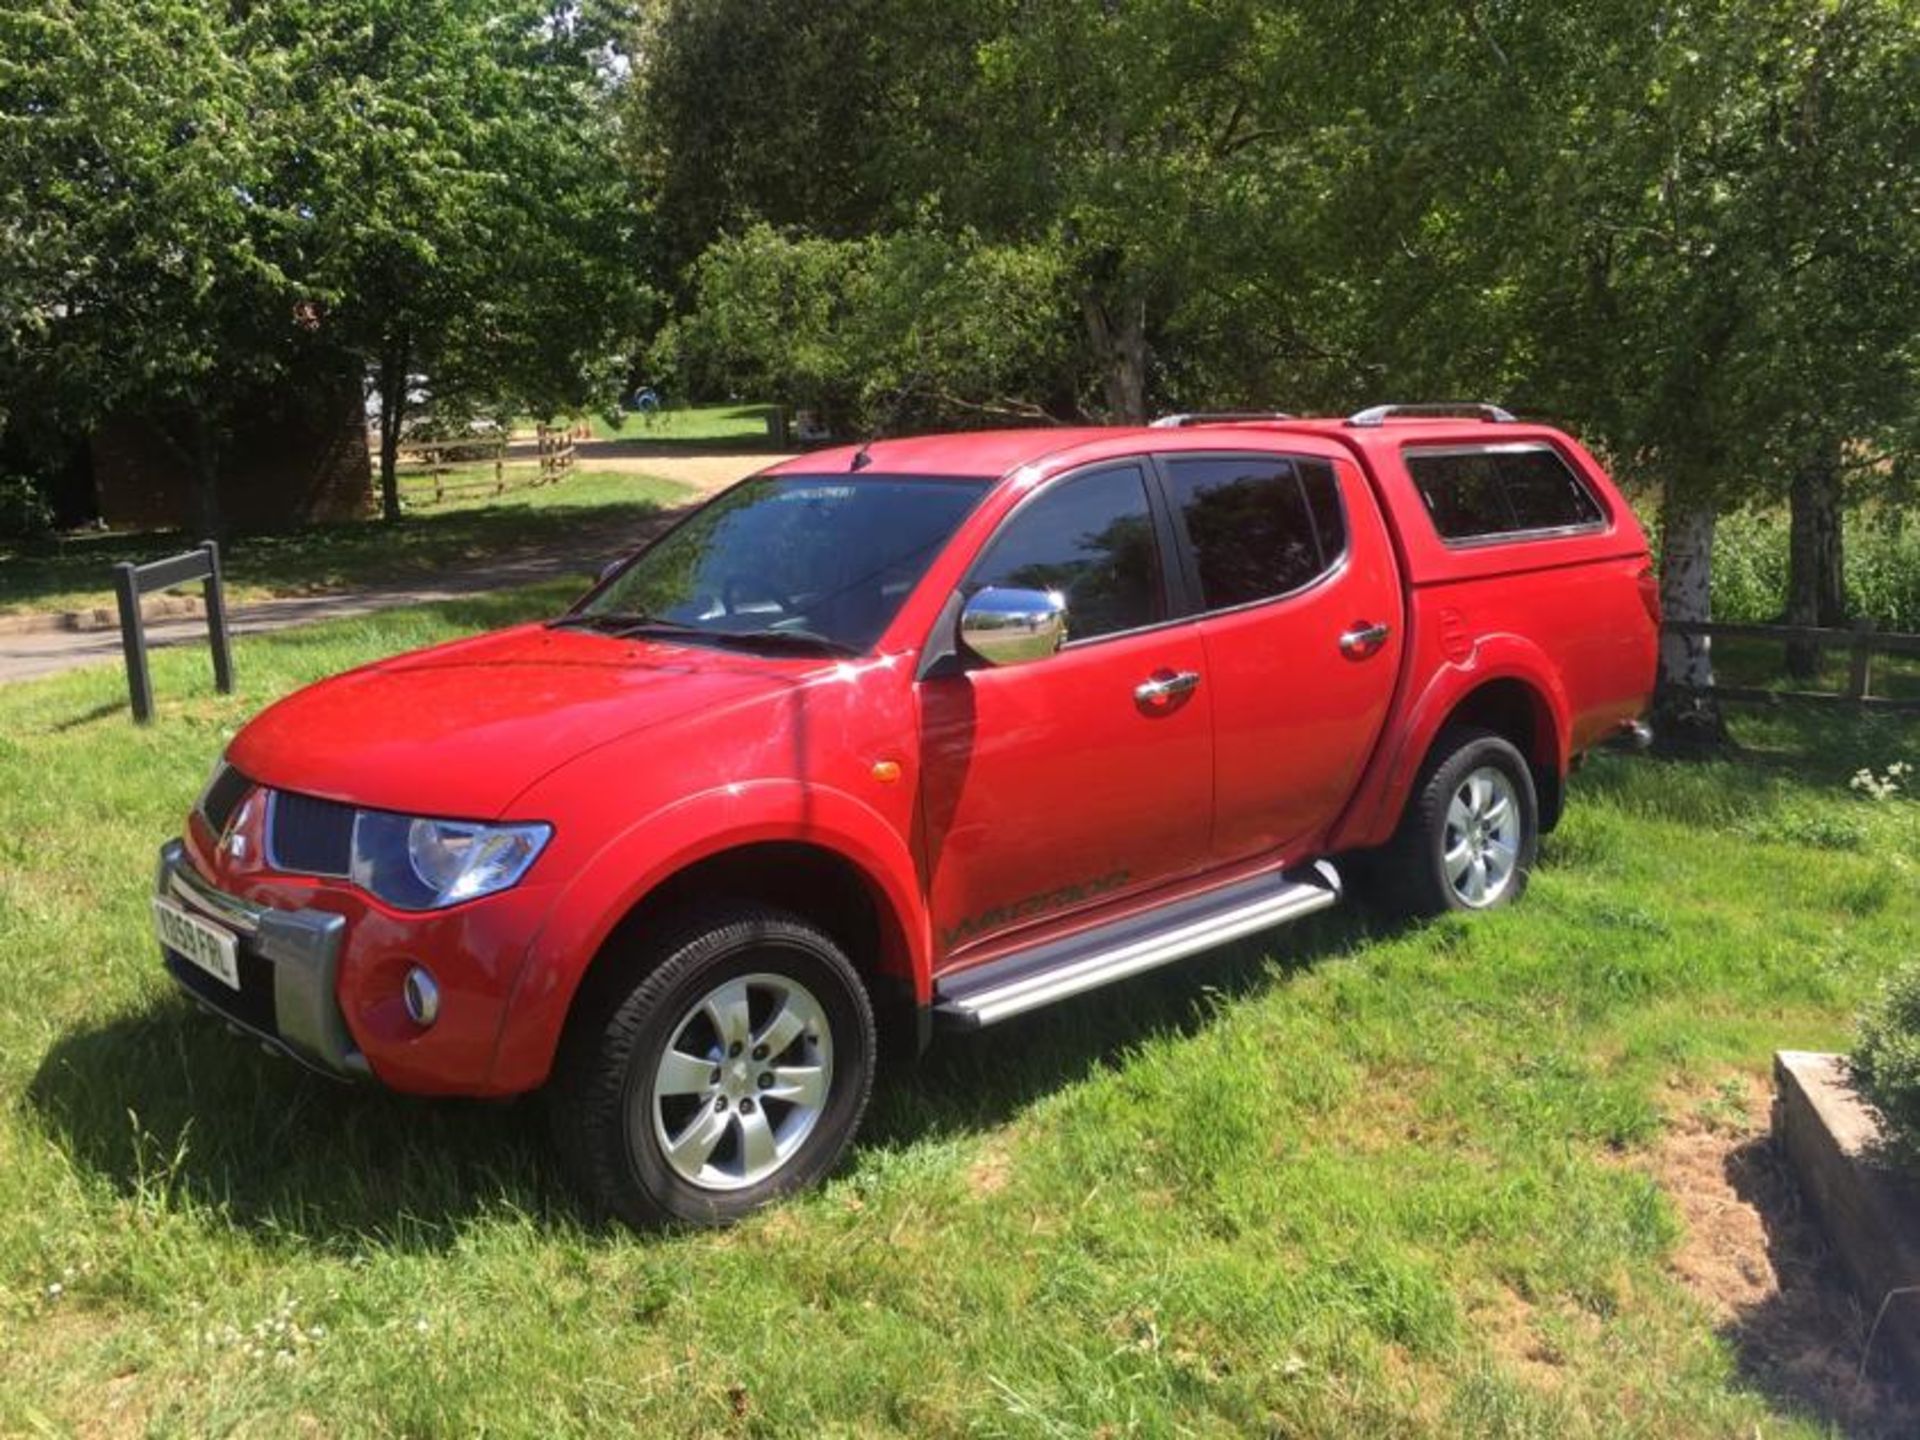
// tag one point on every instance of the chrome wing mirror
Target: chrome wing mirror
(1005, 626)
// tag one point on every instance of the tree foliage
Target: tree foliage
(901, 328)
(198, 196)
(1689, 232)
(147, 259)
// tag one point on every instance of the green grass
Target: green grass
(741, 425)
(1762, 665)
(1358, 1179)
(462, 533)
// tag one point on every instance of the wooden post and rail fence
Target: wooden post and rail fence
(1862, 643)
(555, 454)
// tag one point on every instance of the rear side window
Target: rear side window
(1091, 538)
(1260, 526)
(1476, 494)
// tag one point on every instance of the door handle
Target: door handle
(1164, 685)
(1364, 640)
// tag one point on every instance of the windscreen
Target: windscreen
(792, 557)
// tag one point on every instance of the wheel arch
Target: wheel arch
(831, 861)
(1509, 688)
(1518, 712)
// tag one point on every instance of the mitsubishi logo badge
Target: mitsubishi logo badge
(234, 843)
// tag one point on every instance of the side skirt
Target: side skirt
(1027, 979)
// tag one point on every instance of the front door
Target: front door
(1062, 782)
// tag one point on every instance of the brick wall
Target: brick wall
(299, 456)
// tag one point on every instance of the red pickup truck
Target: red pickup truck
(928, 731)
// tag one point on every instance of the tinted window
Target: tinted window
(1259, 526)
(1091, 538)
(1323, 498)
(1475, 493)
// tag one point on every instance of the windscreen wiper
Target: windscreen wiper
(632, 623)
(793, 638)
(621, 622)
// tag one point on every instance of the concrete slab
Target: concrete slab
(1868, 1209)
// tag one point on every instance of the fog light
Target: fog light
(422, 996)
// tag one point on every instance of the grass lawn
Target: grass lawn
(732, 425)
(324, 558)
(742, 424)
(1353, 1179)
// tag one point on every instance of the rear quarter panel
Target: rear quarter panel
(1563, 614)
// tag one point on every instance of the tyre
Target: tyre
(1471, 830)
(733, 1069)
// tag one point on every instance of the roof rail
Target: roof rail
(1216, 417)
(1379, 414)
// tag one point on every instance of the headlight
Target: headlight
(426, 864)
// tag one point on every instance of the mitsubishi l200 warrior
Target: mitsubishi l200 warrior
(925, 732)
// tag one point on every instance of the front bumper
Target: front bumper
(289, 971)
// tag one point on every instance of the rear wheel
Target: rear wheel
(1471, 830)
(733, 1070)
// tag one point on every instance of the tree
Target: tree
(147, 259)
(468, 229)
(1827, 356)
(1686, 232)
(198, 197)
(877, 332)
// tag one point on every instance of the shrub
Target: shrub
(24, 512)
(1886, 1059)
(1882, 558)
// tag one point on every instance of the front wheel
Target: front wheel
(734, 1070)
(1471, 830)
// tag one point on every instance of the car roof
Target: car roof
(984, 453)
(991, 454)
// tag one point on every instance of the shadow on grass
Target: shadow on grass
(164, 1102)
(1802, 1345)
(105, 710)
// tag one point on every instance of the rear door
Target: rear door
(1287, 560)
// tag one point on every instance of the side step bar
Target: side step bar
(1028, 979)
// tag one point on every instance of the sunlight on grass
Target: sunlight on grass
(1338, 1180)
(746, 424)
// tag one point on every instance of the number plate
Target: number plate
(193, 939)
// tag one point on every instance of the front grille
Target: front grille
(306, 836)
(223, 796)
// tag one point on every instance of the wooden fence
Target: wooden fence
(1862, 643)
(442, 464)
(556, 450)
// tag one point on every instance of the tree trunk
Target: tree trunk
(393, 413)
(1816, 581)
(204, 517)
(1120, 346)
(1683, 718)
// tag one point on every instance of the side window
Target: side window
(1091, 538)
(1260, 526)
(1475, 494)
